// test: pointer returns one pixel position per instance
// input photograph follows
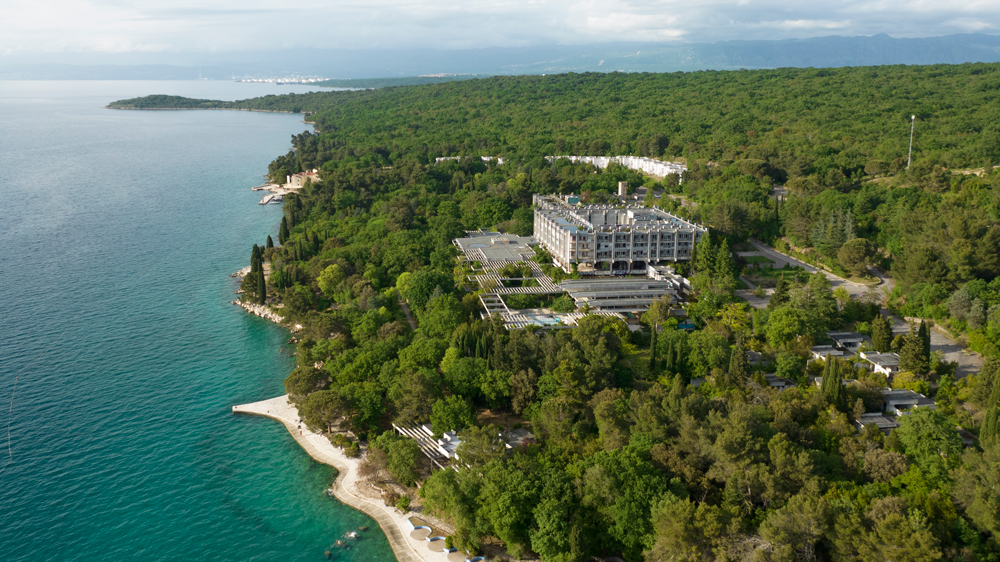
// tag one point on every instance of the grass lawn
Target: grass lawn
(757, 259)
(768, 278)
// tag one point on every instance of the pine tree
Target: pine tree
(270, 242)
(912, 357)
(881, 334)
(739, 367)
(780, 295)
(724, 262)
(704, 255)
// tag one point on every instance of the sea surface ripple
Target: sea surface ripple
(119, 231)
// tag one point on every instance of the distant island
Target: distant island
(288, 103)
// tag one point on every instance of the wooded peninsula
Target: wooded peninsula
(659, 436)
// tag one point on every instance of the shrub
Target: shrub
(390, 497)
(403, 504)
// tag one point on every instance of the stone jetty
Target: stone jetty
(261, 310)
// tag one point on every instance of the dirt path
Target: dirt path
(409, 317)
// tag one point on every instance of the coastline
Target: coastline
(264, 311)
(394, 525)
(131, 108)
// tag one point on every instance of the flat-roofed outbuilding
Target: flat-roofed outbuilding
(901, 401)
(850, 341)
(885, 363)
(884, 423)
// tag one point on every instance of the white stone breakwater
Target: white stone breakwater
(261, 310)
(241, 273)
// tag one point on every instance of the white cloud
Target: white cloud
(809, 24)
(221, 25)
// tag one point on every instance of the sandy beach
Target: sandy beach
(394, 524)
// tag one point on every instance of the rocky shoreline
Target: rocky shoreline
(241, 273)
(261, 310)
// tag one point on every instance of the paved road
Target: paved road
(779, 259)
(968, 362)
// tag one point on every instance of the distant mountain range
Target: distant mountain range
(831, 51)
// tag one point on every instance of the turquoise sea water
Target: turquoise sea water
(118, 232)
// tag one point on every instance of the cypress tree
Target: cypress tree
(991, 424)
(925, 341)
(832, 386)
(652, 349)
(669, 358)
(261, 287)
(270, 242)
(679, 361)
(283, 232)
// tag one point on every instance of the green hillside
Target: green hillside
(630, 457)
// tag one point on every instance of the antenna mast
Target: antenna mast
(910, 155)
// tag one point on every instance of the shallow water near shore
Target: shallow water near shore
(119, 231)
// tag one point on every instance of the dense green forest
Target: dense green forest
(800, 122)
(631, 459)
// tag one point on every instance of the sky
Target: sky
(151, 26)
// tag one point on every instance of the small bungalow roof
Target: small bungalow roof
(882, 359)
(847, 337)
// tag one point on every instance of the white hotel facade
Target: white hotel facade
(638, 163)
(612, 238)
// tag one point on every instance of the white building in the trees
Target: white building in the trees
(614, 238)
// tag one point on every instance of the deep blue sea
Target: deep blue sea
(118, 232)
